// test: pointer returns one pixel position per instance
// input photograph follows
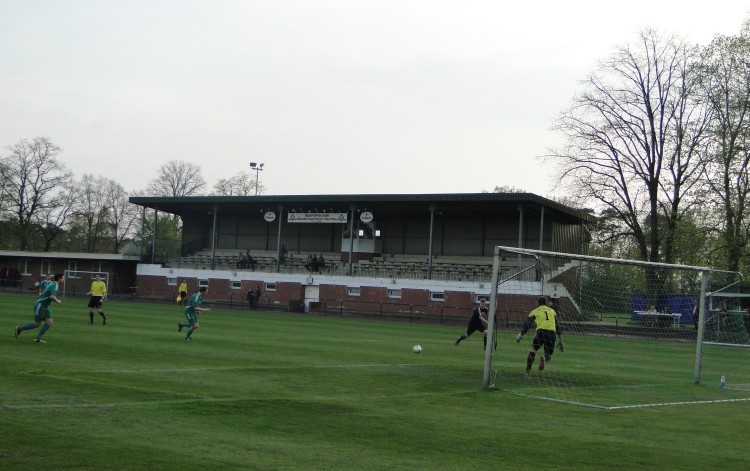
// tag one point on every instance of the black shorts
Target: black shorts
(545, 338)
(475, 325)
(95, 302)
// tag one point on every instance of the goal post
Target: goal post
(634, 331)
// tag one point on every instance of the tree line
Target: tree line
(656, 142)
(44, 207)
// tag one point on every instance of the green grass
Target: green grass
(274, 391)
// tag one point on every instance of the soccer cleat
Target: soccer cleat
(104, 322)
(40, 341)
(457, 342)
(527, 373)
(541, 363)
(17, 332)
(188, 338)
(179, 327)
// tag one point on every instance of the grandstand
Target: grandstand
(425, 246)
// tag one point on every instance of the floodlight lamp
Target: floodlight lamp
(253, 164)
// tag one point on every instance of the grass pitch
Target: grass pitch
(276, 391)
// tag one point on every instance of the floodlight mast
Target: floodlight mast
(258, 168)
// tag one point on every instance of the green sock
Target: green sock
(43, 330)
(28, 326)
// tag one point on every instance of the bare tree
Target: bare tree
(92, 210)
(725, 80)
(243, 184)
(634, 139)
(53, 219)
(30, 175)
(177, 178)
(123, 216)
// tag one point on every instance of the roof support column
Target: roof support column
(214, 230)
(278, 240)
(143, 230)
(520, 235)
(153, 236)
(429, 249)
(351, 238)
(541, 230)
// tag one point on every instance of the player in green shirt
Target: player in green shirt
(43, 284)
(547, 330)
(191, 313)
(42, 311)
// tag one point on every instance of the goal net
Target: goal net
(635, 334)
(78, 282)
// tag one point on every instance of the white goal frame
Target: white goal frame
(702, 272)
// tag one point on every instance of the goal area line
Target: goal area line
(632, 406)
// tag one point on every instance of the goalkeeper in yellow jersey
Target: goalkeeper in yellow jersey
(98, 292)
(547, 330)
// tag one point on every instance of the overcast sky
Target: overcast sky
(334, 96)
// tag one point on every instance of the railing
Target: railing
(401, 270)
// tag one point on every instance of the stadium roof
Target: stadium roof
(467, 204)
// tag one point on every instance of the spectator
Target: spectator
(250, 261)
(256, 298)
(321, 262)
(282, 254)
(241, 260)
(309, 262)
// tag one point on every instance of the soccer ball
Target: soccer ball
(416, 349)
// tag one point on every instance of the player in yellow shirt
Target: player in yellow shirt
(547, 330)
(98, 292)
(182, 296)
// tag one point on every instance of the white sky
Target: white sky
(334, 96)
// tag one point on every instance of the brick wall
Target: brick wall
(456, 304)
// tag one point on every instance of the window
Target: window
(171, 281)
(477, 297)
(46, 267)
(270, 286)
(352, 291)
(24, 266)
(235, 284)
(437, 296)
(202, 283)
(72, 268)
(394, 293)
(98, 266)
